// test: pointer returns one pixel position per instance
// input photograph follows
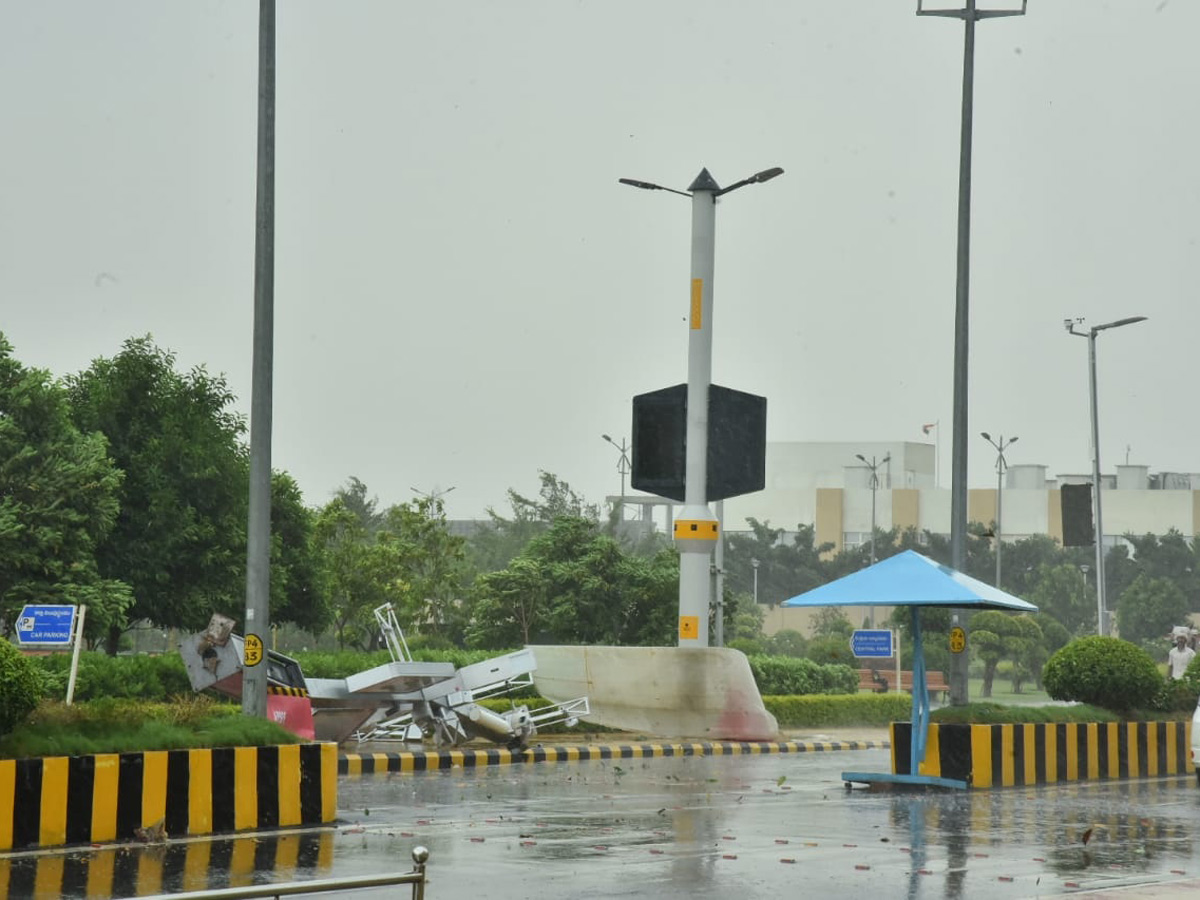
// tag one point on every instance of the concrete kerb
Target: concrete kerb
(375, 760)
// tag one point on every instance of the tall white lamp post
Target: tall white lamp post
(1090, 334)
(696, 528)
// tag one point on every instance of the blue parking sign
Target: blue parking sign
(46, 625)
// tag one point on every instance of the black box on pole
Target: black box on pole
(737, 442)
(1077, 515)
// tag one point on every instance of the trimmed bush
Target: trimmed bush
(790, 676)
(140, 677)
(1103, 671)
(825, 710)
(20, 687)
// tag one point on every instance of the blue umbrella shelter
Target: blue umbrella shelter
(910, 579)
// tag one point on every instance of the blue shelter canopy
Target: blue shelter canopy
(910, 579)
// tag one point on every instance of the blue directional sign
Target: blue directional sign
(871, 642)
(52, 625)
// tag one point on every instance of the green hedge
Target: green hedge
(827, 710)
(20, 687)
(787, 675)
(139, 677)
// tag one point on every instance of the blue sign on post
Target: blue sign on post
(871, 642)
(54, 625)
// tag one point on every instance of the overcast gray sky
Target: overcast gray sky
(465, 295)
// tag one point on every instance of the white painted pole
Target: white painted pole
(77, 637)
(696, 527)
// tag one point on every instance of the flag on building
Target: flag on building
(928, 428)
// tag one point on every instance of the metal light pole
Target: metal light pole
(696, 529)
(1001, 465)
(874, 467)
(1090, 334)
(433, 496)
(622, 466)
(754, 566)
(970, 14)
(258, 526)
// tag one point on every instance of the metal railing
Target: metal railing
(323, 886)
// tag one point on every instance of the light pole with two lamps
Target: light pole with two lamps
(622, 467)
(696, 530)
(874, 467)
(1090, 334)
(1001, 464)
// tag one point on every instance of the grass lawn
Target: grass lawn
(1002, 693)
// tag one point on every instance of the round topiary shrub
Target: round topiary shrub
(20, 687)
(1103, 671)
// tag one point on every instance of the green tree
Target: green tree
(997, 636)
(989, 631)
(179, 540)
(1149, 608)
(785, 566)
(831, 621)
(502, 539)
(1062, 592)
(429, 564)
(351, 569)
(58, 501)
(404, 556)
(575, 584)
(298, 591)
(1022, 561)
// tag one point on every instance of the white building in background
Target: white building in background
(825, 485)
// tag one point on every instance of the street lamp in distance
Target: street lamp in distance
(1090, 334)
(1001, 464)
(873, 465)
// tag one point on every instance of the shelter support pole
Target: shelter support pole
(920, 697)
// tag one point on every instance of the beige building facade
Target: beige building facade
(826, 485)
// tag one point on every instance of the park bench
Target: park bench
(884, 680)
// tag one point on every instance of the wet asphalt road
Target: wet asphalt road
(764, 826)
(747, 826)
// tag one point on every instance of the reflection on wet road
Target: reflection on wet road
(767, 826)
(734, 826)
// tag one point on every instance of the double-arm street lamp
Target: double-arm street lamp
(622, 466)
(1090, 334)
(874, 467)
(1001, 464)
(696, 528)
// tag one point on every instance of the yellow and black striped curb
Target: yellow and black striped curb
(355, 764)
(117, 870)
(55, 801)
(1046, 753)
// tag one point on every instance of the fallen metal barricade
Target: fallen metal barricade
(322, 886)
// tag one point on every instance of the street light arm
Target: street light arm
(649, 186)
(756, 178)
(1117, 324)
